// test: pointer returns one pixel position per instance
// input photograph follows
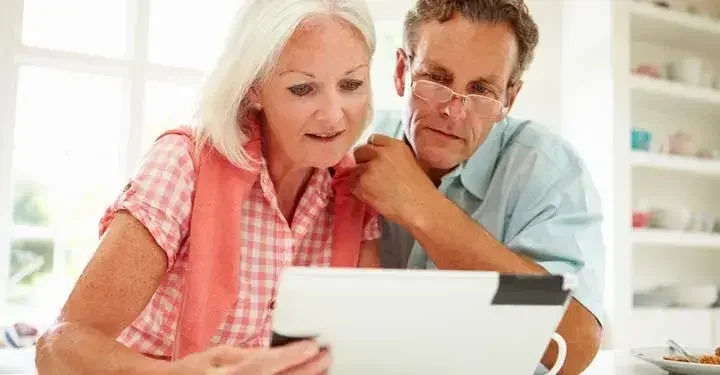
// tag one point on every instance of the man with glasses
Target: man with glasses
(462, 186)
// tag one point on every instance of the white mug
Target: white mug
(562, 353)
(688, 71)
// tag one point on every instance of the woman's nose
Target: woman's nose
(331, 109)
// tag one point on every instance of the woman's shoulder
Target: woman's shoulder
(172, 151)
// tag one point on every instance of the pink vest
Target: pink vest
(215, 244)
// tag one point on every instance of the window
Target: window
(167, 105)
(188, 34)
(82, 26)
(90, 85)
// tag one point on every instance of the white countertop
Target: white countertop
(608, 362)
(20, 362)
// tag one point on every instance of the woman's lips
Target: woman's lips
(325, 137)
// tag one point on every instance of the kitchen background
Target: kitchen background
(85, 85)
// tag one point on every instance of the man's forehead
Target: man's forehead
(459, 46)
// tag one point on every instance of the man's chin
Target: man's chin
(439, 159)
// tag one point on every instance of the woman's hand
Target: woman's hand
(300, 358)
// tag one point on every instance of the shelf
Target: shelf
(661, 237)
(658, 93)
(673, 28)
(650, 160)
(679, 309)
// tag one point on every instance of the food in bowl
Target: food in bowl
(706, 359)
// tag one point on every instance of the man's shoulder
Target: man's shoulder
(537, 142)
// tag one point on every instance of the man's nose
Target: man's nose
(455, 109)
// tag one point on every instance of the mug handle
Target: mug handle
(562, 353)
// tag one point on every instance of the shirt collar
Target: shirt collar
(478, 170)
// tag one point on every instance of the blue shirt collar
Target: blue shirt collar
(477, 171)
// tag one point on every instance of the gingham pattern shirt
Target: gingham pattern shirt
(160, 197)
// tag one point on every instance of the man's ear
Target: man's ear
(401, 67)
(513, 93)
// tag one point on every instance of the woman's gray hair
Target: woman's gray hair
(260, 31)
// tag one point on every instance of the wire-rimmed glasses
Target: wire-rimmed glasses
(477, 104)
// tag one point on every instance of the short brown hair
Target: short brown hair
(514, 12)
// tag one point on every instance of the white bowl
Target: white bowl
(676, 218)
(699, 296)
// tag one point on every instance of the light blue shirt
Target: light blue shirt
(530, 191)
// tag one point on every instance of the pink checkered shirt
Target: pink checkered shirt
(159, 196)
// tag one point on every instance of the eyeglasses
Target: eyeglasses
(480, 105)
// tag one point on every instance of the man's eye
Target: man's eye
(300, 90)
(351, 84)
(479, 89)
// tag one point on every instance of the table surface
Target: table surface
(607, 362)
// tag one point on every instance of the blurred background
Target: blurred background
(86, 85)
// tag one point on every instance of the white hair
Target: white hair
(260, 31)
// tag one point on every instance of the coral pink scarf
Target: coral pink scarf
(211, 282)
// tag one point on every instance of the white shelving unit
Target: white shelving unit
(649, 91)
(651, 34)
(681, 164)
(650, 23)
(673, 238)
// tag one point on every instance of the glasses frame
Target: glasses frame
(464, 97)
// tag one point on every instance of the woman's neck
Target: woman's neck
(289, 179)
(289, 182)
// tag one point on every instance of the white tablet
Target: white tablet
(421, 322)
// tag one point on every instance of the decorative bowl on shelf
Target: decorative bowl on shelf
(697, 296)
(680, 143)
(702, 222)
(656, 297)
(672, 218)
(688, 71)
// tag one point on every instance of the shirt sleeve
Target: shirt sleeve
(557, 223)
(160, 194)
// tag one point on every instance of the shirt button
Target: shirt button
(271, 305)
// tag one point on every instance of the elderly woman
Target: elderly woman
(192, 249)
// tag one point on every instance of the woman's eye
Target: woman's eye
(351, 84)
(300, 90)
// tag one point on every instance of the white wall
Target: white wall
(540, 97)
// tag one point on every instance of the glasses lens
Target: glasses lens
(432, 91)
(485, 107)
